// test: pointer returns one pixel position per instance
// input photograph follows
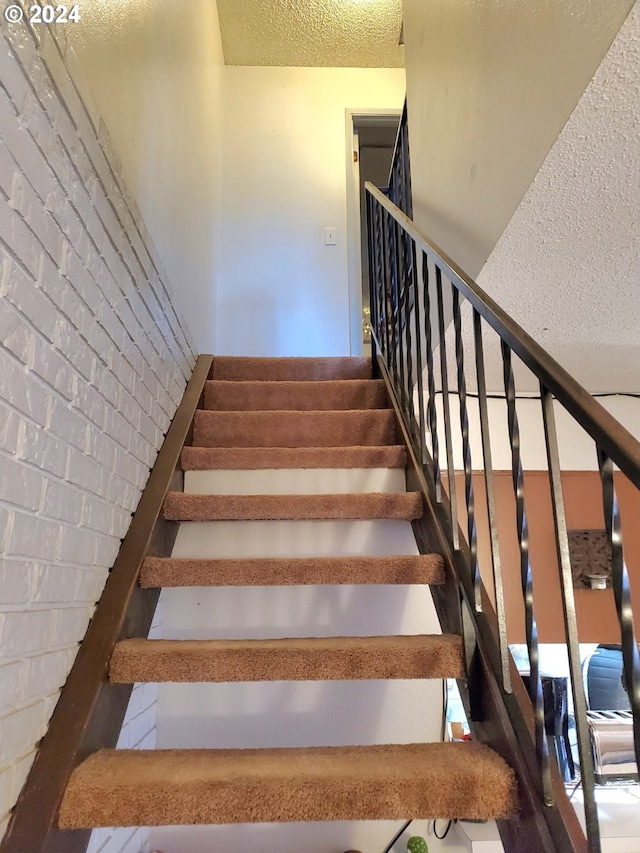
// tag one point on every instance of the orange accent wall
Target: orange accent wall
(597, 620)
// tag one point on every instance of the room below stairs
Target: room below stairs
(307, 636)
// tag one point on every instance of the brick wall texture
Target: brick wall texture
(93, 363)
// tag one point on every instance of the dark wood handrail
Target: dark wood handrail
(90, 711)
(616, 441)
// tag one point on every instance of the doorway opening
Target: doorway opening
(371, 137)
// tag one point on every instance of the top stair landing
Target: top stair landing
(268, 369)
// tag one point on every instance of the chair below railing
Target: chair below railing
(434, 332)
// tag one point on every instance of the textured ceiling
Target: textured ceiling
(315, 33)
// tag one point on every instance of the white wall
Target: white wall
(281, 291)
(93, 362)
(576, 448)
(152, 75)
(490, 85)
(567, 266)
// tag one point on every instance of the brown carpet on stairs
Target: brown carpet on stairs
(179, 506)
(297, 659)
(255, 458)
(295, 429)
(301, 396)
(243, 368)
(277, 571)
(390, 782)
(264, 415)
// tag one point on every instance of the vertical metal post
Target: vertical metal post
(400, 305)
(446, 413)
(409, 292)
(388, 298)
(372, 242)
(622, 594)
(526, 577)
(570, 620)
(432, 414)
(492, 512)
(419, 363)
(472, 533)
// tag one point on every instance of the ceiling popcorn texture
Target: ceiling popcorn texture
(313, 33)
(568, 264)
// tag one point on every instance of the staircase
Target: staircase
(290, 413)
(260, 415)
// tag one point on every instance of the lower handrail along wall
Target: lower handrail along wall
(91, 709)
(416, 293)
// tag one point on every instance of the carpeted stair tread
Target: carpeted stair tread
(382, 782)
(179, 506)
(255, 458)
(295, 659)
(295, 429)
(225, 395)
(251, 368)
(292, 571)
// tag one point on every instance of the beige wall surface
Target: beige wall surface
(490, 85)
(153, 73)
(281, 291)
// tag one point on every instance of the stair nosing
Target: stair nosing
(383, 781)
(334, 658)
(288, 571)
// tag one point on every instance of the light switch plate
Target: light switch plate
(330, 236)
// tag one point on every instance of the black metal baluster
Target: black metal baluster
(419, 364)
(408, 208)
(446, 413)
(379, 293)
(409, 298)
(570, 620)
(401, 318)
(622, 594)
(393, 268)
(492, 513)
(472, 533)
(372, 243)
(432, 414)
(388, 285)
(526, 576)
(382, 295)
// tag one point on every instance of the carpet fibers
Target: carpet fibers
(306, 659)
(303, 396)
(274, 571)
(246, 458)
(389, 782)
(179, 506)
(295, 429)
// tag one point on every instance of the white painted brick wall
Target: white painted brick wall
(93, 362)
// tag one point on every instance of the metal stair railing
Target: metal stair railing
(416, 292)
